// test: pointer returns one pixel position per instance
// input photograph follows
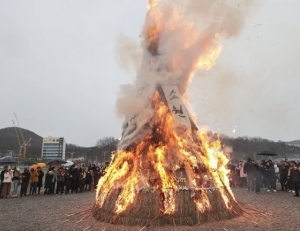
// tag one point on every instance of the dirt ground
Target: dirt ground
(263, 212)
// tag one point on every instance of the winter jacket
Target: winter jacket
(68, 179)
(48, 179)
(25, 177)
(269, 171)
(241, 168)
(34, 177)
(283, 170)
(16, 175)
(89, 178)
(2, 175)
(294, 173)
(41, 176)
(248, 168)
(60, 177)
(8, 177)
(257, 172)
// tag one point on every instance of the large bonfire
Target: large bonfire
(166, 170)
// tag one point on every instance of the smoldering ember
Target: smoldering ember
(167, 170)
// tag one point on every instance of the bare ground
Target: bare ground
(267, 211)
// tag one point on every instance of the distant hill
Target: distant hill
(244, 147)
(9, 142)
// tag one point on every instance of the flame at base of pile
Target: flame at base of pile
(174, 174)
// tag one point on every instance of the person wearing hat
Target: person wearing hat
(294, 176)
(16, 182)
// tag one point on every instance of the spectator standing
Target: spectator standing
(82, 179)
(97, 174)
(88, 181)
(16, 182)
(248, 169)
(283, 173)
(34, 179)
(55, 172)
(68, 182)
(243, 175)
(270, 176)
(75, 178)
(294, 175)
(48, 182)
(60, 179)
(257, 174)
(2, 178)
(25, 178)
(7, 179)
(40, 179)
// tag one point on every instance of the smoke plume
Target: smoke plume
(179, 38)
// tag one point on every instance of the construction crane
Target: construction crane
(25, 143)
(20, 145)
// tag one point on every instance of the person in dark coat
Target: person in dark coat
(60, 179)
(74, 170)
(257, 174)
(294, 175)
(40, 182)
(269, 173)
(249, 169)
(97, 175)
(82, 179)
(283, 173)
(2, 177)
(88, 181)
(68, 182)
(48, 182)
(25, 177)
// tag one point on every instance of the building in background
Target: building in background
(54, 148)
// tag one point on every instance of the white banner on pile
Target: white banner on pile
(177, 108)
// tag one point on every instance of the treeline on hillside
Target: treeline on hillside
(101, 152)
(244, 147)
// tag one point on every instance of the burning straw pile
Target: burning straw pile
(166, 171)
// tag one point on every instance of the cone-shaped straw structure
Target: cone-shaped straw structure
(166, 171)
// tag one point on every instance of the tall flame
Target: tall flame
(177, 48)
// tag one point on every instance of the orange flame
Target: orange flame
(164, 152)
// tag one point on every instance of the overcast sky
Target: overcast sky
(59, 70)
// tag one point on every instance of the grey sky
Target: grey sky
(59, 71)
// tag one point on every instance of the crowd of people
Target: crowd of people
(60, 180)
(256, 175)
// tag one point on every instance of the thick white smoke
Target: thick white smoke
(179, 37)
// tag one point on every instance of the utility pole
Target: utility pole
(72, 153)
